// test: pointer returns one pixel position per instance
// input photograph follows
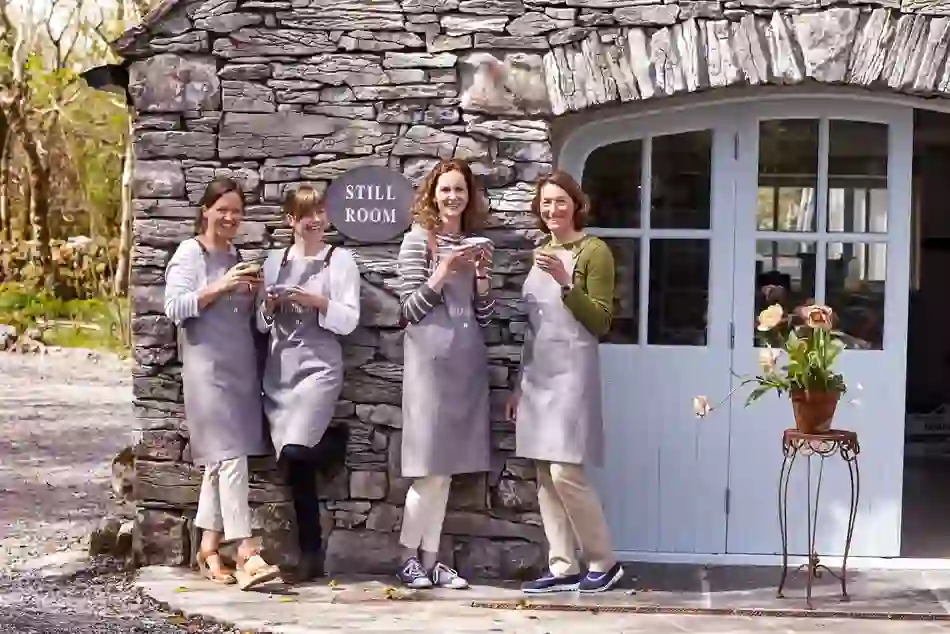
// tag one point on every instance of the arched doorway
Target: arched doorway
(704, 206)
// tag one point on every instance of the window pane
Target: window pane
(679, 292)
(681, 166)
(788, 175)
(612, 181)
(626, 253)
(784, 274)
(857, 177)
(854, 289)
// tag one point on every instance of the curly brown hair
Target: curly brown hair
(424, 210)
(566, 182)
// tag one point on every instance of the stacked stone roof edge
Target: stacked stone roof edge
(154, 17)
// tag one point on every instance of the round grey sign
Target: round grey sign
(370, 204)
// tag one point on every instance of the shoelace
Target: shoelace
(443, 568)
(414, 569)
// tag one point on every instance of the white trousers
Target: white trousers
(223, 500)
(572, 516)
(424, 513)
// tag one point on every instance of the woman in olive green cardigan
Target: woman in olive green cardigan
(557, 404)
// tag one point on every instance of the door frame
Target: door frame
(720, 113)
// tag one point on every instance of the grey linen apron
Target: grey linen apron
(303, 374)
(445, 407)
(219, 372)
(559, 416)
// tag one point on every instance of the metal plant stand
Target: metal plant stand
(819, 446)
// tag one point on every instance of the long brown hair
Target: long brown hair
(424, 210)
(566, 182)
(215, 190)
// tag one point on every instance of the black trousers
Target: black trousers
(303, 464)
(302, 478)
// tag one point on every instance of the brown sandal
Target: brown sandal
(211, 568)
(255, 571)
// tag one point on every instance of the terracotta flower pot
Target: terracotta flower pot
(814, 410)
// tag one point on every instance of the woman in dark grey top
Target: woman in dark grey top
(210, 295)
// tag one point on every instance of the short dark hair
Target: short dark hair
(216, 189)
(566, 182)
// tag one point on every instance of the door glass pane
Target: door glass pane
(784, 274)
(681, 166)
(612, 181)
(857, 177)
(679, 292)
(854, 288)
(624, 328)
(788, 175)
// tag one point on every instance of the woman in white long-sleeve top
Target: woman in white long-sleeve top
(312, 296)
(446, 298)
(210, 294)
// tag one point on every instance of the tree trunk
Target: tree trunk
(39, 214)
(124, 266)
(26, 209)
(6, 230)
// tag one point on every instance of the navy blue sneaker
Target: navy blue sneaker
(550, 583)
(601, 581)
(413, 575)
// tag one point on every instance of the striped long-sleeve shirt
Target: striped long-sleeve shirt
(415, 267)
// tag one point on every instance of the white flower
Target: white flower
(701, 406)
(770, 318)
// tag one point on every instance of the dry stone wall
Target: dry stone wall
(277, 93)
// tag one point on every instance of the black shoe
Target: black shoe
(308, 568)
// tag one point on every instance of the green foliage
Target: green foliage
(87, 323)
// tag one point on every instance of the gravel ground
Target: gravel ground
(63, 417)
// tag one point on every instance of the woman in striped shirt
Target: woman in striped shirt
(446, 301)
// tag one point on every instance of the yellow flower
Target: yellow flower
(767, 358)
(770, 317)
(701, 406)
(818, 317)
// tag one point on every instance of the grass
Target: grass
(98, 323)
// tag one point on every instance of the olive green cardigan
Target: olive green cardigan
(591, 299)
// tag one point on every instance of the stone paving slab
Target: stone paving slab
(373, 607)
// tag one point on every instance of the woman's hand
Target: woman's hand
(271, 300)
(511, 407)
(243, 277)
(459, 259)
(305, 298)
(483, 260)
(553, 266)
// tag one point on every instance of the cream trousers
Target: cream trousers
(572, 516)
(223, 500)
(424, 513)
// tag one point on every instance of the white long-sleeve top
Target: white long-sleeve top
(339, 282)
(185, 276)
